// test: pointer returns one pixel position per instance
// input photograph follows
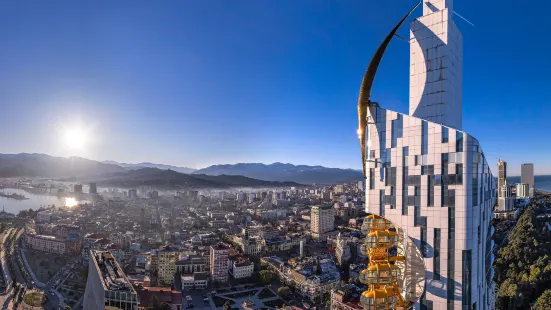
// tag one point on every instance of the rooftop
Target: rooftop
(164, 294)
(326, 207)
(112, 275)
(219, 246)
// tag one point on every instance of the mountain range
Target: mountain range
(129, 166)
(41, 165)
(242, 174)
(169, 179)
(286, 172)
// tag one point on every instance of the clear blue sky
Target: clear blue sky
(195, 83)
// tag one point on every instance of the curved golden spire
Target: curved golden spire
(367, 82)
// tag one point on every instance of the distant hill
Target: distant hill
(169, 179)
(286, 172)
(129, 166)
(41, 165)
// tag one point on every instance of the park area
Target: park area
(259, 297)
(45, 265)
(33, 299)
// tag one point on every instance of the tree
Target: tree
(543, 302)
(266, 276)
(227, 305)
(284, 291)
(67, 308)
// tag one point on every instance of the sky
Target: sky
(197, 83)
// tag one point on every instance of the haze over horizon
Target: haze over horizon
(193, 84)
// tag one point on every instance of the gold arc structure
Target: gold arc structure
(382, 274)
(367, 83)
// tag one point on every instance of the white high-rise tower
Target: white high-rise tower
(436, 70)
(431, 179)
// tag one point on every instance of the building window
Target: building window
(382, 202)
(397, 130)
(445, 135)
(424, 247)
(404, 190)
(466, 281)
(459, 174)
(458, 141)
(425, 139)
(451, 257)
(436, 256)
(430, 191)
(371, 178)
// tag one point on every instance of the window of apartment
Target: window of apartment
(425, 137)
(459, 174)
(424, 245)
(371, 178)
(445, 163)
(466, 281)
(458, 141)
(436, 256)
(382, 203)
(445, 135)
(397, 130)
(430, 191)
(451, 257)
(404, 190)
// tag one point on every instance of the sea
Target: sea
(34, 202)
(542, 182)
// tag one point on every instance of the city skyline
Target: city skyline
(144, 85)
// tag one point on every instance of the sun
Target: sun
(75, 138)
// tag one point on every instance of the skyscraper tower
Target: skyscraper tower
(527, 177)
(436, 65)
(430, 179)
(501, 176)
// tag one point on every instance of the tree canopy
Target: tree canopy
(523, 265)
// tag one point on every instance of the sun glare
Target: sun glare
(359, 132)
(75, 138)
(70, 202)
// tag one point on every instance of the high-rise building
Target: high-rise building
(337, 189)
(360, 185)
(322, 220)
(523, 190)
(107, 284)
(93, 189)
(219, 266)
(163, 263)
(429, 178)
(501, 175)
(505, 201)
(527, 177)
(436, 66)
(77, 188)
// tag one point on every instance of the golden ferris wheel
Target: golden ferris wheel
(382, 273)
